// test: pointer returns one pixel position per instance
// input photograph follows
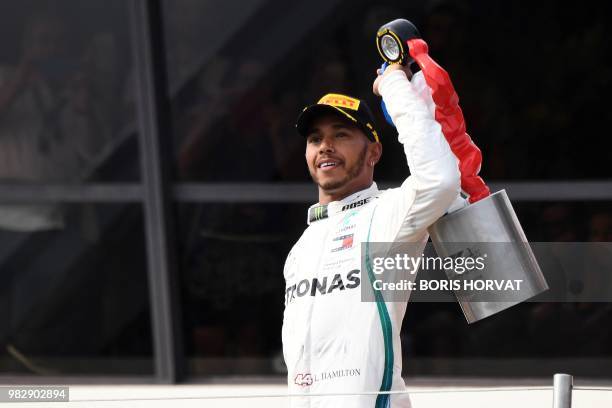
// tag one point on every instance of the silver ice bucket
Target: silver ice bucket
(489, 227)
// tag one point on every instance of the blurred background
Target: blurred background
(152, 181)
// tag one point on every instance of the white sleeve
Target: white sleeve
(422, 89)
(434, 182)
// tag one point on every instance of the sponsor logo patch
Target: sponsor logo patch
(341, 101)
(356, 204)
(343, 242)
(322, 286)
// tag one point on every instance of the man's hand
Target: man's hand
(390, 68)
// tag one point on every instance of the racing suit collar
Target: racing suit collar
(318, 212)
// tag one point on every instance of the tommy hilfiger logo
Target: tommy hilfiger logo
(342, 242)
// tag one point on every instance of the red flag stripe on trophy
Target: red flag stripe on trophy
(450, 117)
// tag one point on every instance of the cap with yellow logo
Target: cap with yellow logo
(355, 110)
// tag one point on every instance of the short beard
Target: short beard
(352, 173)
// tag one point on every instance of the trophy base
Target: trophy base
(490, 227)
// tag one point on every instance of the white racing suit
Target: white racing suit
(333, 342)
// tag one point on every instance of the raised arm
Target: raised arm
(434, 180)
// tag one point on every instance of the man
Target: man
(333, 342)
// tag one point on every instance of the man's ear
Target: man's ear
(374, 153)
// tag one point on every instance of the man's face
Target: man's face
(336, 153)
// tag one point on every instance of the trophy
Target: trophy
(488, 224)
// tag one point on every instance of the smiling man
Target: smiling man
(341, 171)
(333, 342)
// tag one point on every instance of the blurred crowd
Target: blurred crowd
(530, 82)
(59, 113)
(64, 103)
(520, 101)
(532, 78)
(531, 87)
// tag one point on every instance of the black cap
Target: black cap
(356, 110)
